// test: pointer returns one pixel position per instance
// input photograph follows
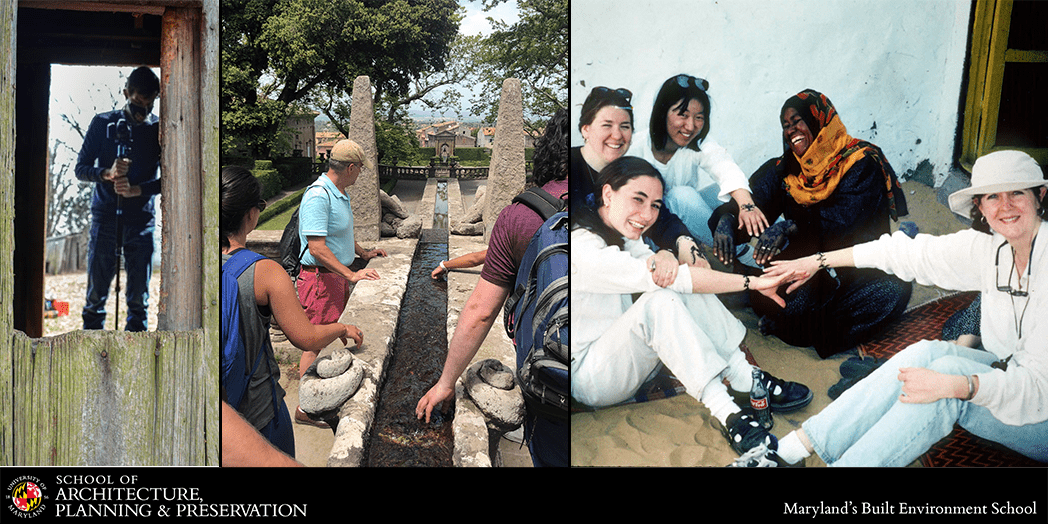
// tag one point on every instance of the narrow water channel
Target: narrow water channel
(418, 354)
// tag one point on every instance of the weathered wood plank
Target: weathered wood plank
(104, 398)
(7, 247)
(211, 266)
(32, 410)
(182, 398)
(181, 136)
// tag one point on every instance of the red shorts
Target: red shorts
(323, 295)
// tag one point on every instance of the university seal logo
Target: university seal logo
(27, 496)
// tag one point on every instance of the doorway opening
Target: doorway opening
(77, 94)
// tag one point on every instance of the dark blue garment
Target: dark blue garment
(249, 372)
(664, 232)
(134, 219)
(964, 322)
(549, 441)
(831, 313)
(102, 265)
(98, 153)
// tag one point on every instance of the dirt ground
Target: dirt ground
(72, 288)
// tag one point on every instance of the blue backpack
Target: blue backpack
(235, 375)
(536, 317)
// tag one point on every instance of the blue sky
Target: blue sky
(476, 19)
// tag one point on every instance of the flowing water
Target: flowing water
(418, 354)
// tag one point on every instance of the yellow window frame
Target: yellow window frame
(989, 55)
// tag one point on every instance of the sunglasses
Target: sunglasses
(685, 80)
(261, 205)
(621, 92)
(997, 275)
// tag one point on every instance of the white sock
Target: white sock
(791, 449)
(716, 398)
(740, 375)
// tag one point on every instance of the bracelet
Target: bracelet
(442, 266)
(745, 282)
(822, 260)
(971, 387)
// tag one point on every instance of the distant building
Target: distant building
(485, 137)
(326, 140)
(303, 134)
(463, 135)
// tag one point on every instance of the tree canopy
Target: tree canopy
(534, 49)
(281, 54)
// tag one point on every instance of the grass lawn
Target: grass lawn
(278, 222)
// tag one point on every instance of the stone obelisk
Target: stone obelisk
(507, 171)
(367, 211)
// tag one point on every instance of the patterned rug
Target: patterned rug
(960, 448)
(664, 385)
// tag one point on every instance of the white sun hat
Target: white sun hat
(996, 172)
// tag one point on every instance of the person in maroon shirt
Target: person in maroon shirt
(516, 225)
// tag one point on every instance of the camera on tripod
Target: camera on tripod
(120, 132)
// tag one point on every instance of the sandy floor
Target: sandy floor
(679, 431)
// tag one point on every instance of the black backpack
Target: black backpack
(291, 250)
(540, 201)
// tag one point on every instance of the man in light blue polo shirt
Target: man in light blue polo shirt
(326, 227)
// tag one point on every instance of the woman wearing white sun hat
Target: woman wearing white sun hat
(893, 416)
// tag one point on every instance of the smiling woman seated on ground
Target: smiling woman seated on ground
(913, 400)
(618, 342)
(832, 191)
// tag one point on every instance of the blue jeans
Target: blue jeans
(868, 426)
(549, 441)
(695, 208)
(102, 266)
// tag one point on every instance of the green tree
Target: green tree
(279, 55)
(459, 68)
(535, 50)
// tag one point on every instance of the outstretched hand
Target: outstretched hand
(802, 270)
(773, 241)
(434, 398)
(352, 332)
(768, 285)
(364, 274)
(372, 253)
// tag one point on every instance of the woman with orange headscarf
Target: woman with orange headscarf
(833, 191)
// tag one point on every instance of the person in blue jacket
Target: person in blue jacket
(122, 213)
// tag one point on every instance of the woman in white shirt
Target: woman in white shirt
(700, 175)
(912, 401)
(619, 343)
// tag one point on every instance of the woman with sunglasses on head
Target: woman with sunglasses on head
(264, 291)
(832, 191)
(700, 174)
(606, 125)
(913, 400)
(619, 342)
